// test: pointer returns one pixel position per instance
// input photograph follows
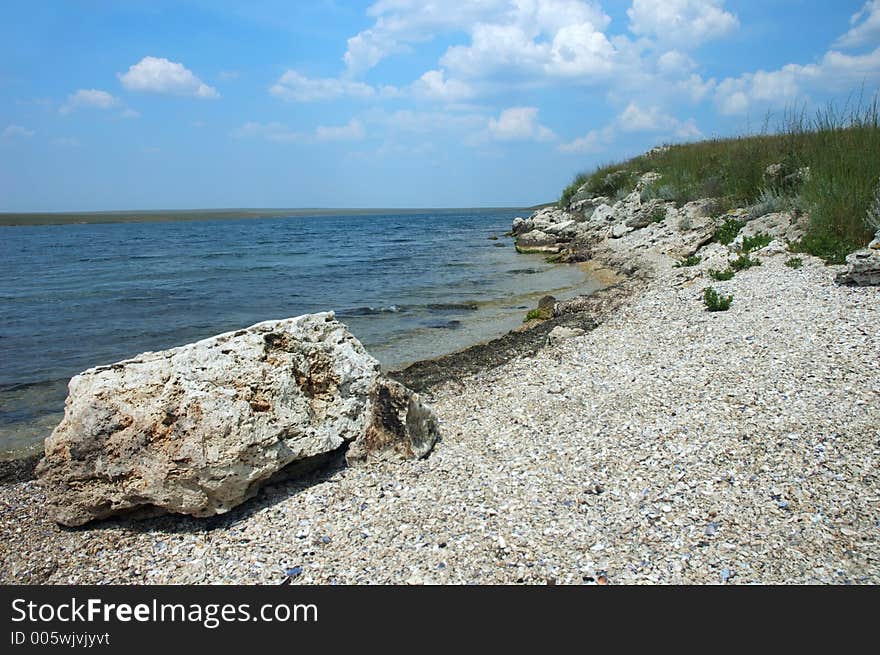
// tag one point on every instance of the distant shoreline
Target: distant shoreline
(22, 219)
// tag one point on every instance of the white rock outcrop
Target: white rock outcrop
(198, 429)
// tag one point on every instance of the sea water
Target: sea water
(410, 286)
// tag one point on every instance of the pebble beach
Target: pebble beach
(667, 445)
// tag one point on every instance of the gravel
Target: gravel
(668, 445)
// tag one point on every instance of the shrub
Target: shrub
(721, 276)
(728, 231)
(658, 214)
(714, 301)
(794, 262)
(756, 242)
(744, 262)
(693, 260)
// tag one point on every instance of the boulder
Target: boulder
(620, 230)
(199, 429)
(537, 241)
(862, 269)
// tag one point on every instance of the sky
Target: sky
(154, 104)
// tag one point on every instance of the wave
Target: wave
(370, 311)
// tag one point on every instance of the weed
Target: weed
(693, 260)
(714, 301)
(794, 262)
(721, 276)
(728, 231)
(756, 242)
(744, 262)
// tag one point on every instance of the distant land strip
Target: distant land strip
(10, 219)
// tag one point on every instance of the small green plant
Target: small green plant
(721, 276)
(744, 262)
(756, 242)
(728, 231)
(714, 301)
(693, 260)
(794, 262)
(538, 315)
(658, 214)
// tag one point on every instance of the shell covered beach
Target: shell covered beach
(667, 445)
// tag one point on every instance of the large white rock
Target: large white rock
(862, 269)
(198, 429)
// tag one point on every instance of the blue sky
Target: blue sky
(148, 104)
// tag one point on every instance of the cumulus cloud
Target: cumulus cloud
(836, 71)
(89, 98)
(16, 131)
(865, 28)
(556, 37)
(687, 23)
(159, 75)
(593, 141)
(519, 124)
(435, 86)
(634, 118)
(352, 131)
(280, 133)
(295, 86)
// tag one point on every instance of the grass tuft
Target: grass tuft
(721, 276)
(744, 262)
(728, 231)
(756, 242)
(693, 260)
(794, 262)
(714, 301)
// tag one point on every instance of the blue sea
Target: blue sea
(409, 285)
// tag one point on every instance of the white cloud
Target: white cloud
(686, 23)
(353, 131)
(674, 62)
(637, 119)
(865, 28)
(89, 98)
(593, 141)
(435, 86)
(696, 88)
(16, 131)
(633, 118)
(280, 133)
(555, 37)
(295, 86)
(159, 75)
(519, 124)
(836, 71)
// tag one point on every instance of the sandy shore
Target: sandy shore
(669, 444)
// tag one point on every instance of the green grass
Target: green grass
(794, 262)
(658, 214)
(829, 169)
(721, 276)
(693, 260)
(728, 231)
(714, 301)
(756, 242)
(744, 262)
